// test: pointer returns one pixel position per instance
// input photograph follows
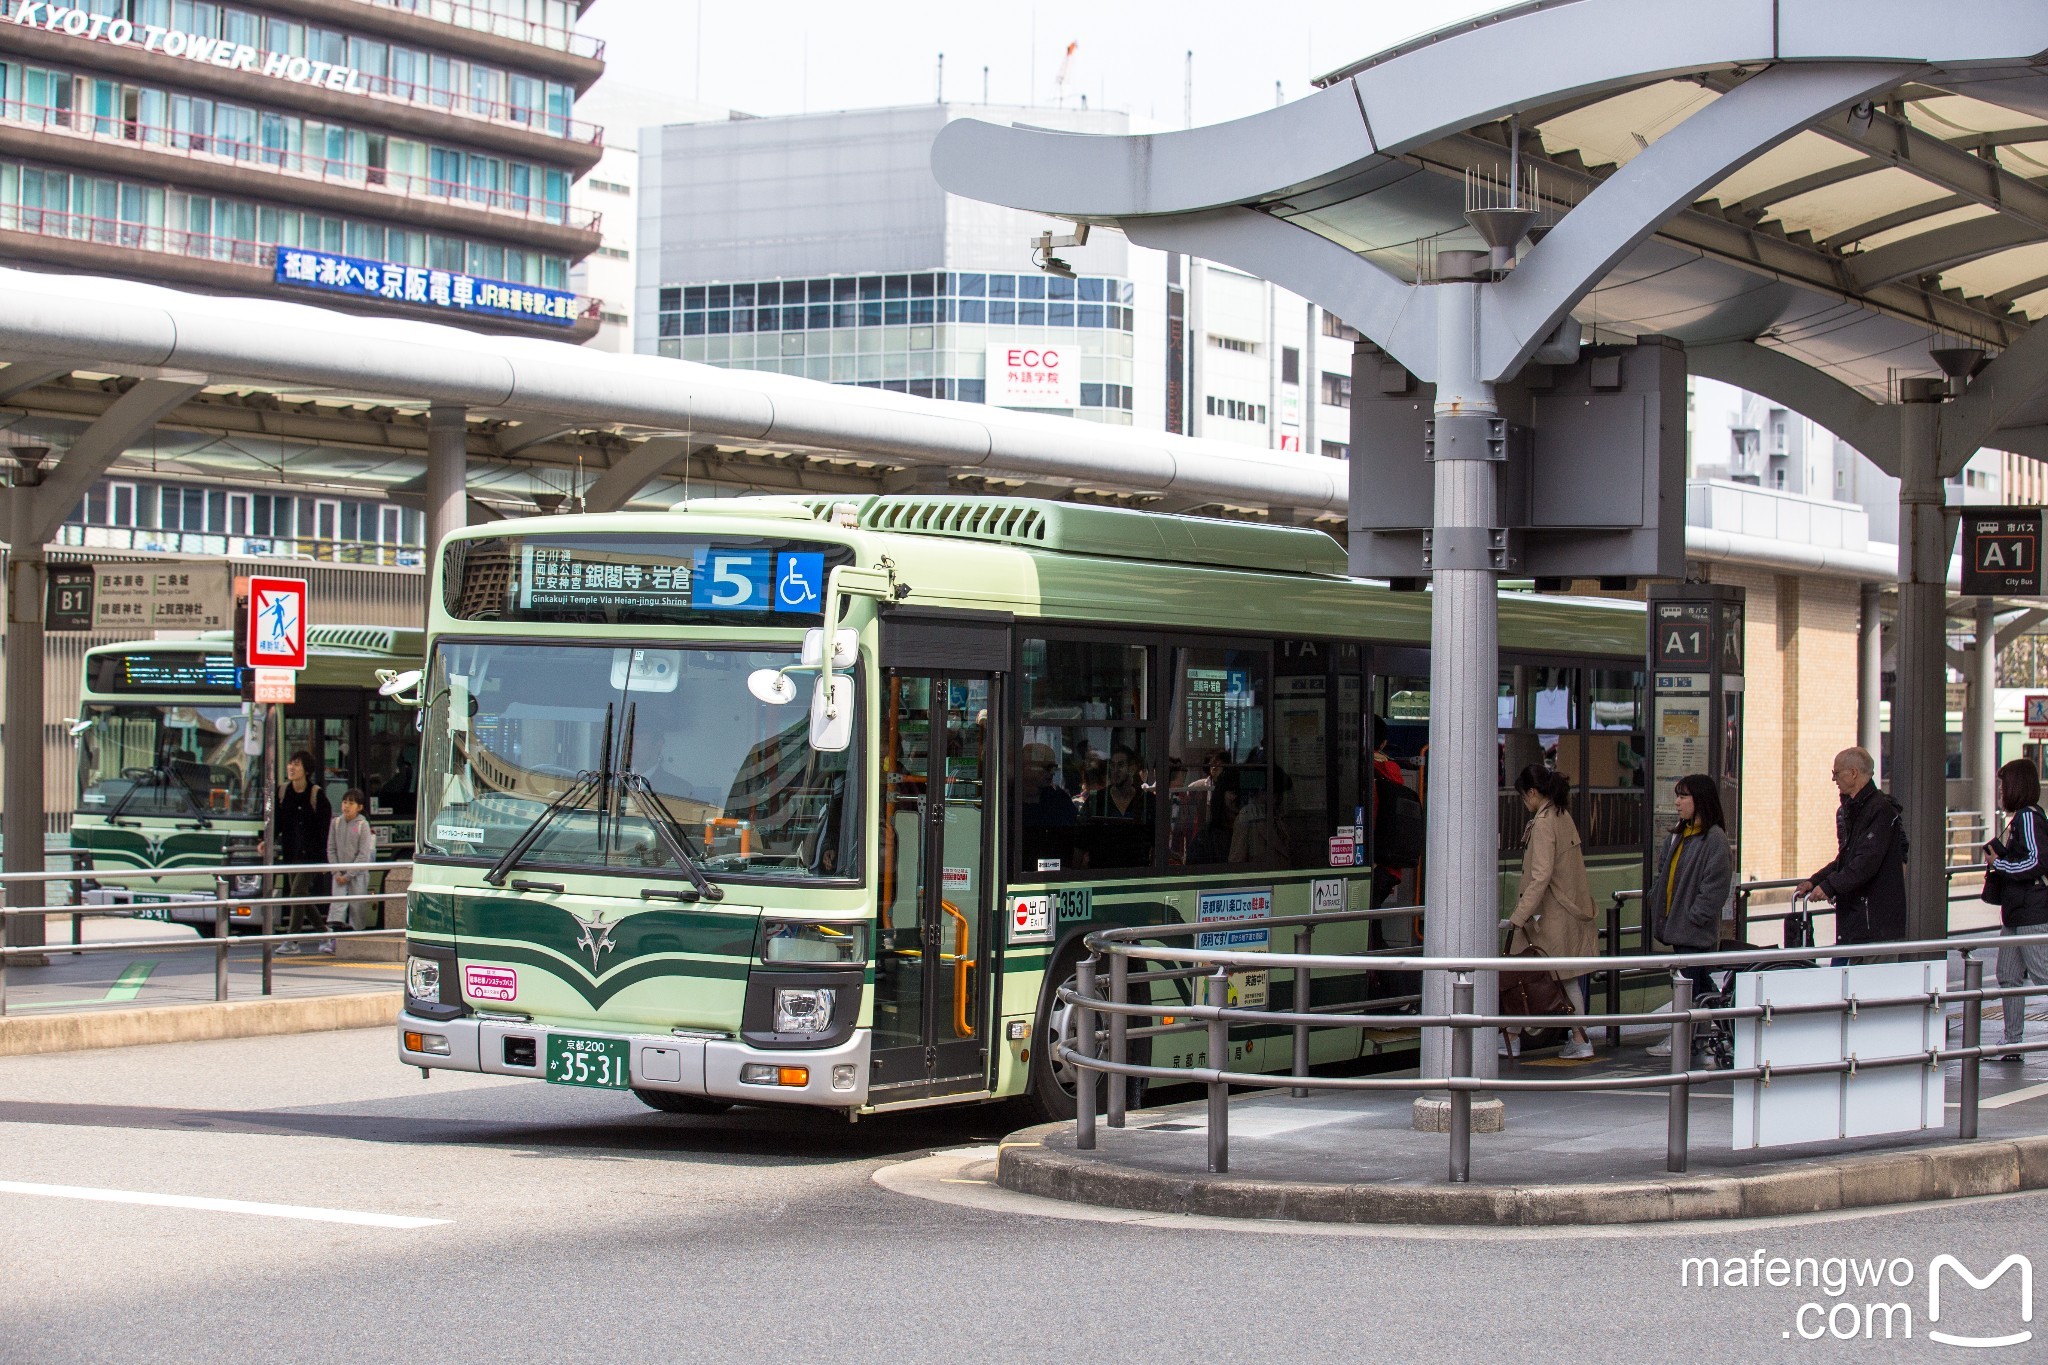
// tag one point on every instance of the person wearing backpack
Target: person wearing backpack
(2017, 862)
(1867, 879)
(1690, 880)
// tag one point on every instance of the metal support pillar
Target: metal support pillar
(447, 475)
(1982, 731)
(1464, 818)
(1919, 707)
(21, 825)
(1870, 674)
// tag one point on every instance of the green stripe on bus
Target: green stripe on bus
(598, 993)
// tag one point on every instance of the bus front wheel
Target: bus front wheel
(669, 1102)
(1051, 1091)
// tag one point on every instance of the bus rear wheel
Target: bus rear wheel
(669, 1102)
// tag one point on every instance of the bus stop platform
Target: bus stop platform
(1565, 1158)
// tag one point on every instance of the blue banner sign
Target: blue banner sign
(416, 284)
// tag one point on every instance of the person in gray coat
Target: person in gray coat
(1691, 879)
(350, 840)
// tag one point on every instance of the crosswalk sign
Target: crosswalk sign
(277, 623)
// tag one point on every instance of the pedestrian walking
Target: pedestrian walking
(1867, 879)
(1554, 910)
(303, 814)
(349, 840)
(1691, 880)
(2015, 863)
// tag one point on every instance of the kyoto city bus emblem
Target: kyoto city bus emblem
(596, 937)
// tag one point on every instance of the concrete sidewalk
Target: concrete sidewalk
(1565, 1158)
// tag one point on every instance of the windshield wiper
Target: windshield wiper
(666, 827)
(158, 780)
(590, 780)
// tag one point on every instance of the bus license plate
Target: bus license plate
(597, 1062)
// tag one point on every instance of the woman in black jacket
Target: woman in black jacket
(2023, 898)
(1691, 880)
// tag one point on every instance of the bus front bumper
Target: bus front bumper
(718, 1068)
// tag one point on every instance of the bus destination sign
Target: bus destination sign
(180, 671)
(683, 580)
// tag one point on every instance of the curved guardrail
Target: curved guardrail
(1150, 944)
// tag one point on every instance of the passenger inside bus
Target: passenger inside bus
(1118, 819)
(1049, 816)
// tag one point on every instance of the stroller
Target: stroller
(1713, 1041)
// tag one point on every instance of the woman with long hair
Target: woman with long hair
(2020, 861)
(1554, 910)
(1691, 879)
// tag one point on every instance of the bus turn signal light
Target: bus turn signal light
(766, 1073)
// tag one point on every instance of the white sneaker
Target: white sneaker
(1662, 1049)
(1574, 1052)
(284, 948)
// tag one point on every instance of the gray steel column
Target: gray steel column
(1919, 705)
(1982, 730)
(447, 475)
(1462, 845)
(1870, 673)
(21, 824)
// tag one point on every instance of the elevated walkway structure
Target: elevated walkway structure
(1822, 199)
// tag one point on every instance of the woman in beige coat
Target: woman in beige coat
(1555, 908)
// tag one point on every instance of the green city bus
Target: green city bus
(170, 769)
(679, 837)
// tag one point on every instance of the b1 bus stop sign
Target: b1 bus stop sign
(2002, 552)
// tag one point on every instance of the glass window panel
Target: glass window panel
(1002, 286)
(896, 286)
(1059, 287)
(1536, 708)
(921, 286)
(895, 312)
(768, 293)
(1091, 290)
(1089, 315)
(720, 296)
(693, 297)
(845, 290)
(871, 286)
(719, 322)
(743, 296)
(1031, 314)
(1002, 311)
(973, 310)
(1221, 784)
(1031, 286)
(1059, 314)
(970, 285)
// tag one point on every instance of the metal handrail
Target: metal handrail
(1123, 946)
(220, 941)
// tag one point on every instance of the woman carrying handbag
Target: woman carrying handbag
(2013, 880)
(1554, 911)
(1691, 880)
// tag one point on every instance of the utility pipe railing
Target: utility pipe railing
(221, 940)
(1215, 968)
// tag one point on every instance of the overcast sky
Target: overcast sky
(811, 55)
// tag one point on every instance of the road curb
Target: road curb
(1041, 1161)
(22, 1036)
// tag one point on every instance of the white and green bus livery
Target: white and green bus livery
(171, 772)
(769, 800)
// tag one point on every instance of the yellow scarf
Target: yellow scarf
(1671, 870)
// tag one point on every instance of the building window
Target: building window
(1336, 390)
(617, 253)
(1233, 344)
(608, 186)
(1336, 450)
(1236, 410)
(1333, 326)
(1290, 365)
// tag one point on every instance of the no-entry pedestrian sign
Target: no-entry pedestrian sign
(277, 623)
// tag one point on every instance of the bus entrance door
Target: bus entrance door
(931, 962)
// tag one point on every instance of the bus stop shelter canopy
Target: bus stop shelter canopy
(1834, 203)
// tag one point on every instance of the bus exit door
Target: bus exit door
(932, 961)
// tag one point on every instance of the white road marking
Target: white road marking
(187, 1201)
(2019, 1096)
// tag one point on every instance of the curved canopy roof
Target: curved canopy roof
(1910, 216)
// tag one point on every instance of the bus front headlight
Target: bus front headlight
(803, 1009)
(423, 978)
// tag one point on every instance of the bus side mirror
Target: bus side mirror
(832, 714)
(396, 685)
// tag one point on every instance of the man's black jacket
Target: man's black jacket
(1867, 879)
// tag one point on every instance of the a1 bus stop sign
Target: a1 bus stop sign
(277, 623)
(2002, 552)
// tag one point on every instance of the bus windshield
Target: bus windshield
(512, 727)
(165, 760)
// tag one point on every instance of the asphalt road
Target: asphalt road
(576, 1225)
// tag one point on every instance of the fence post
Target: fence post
(269, 928)
(1303, 945)
(1461, 1067)
(3, 967)
(1119, 1026)
(1614, 973)
(1219, 1060)
(1678, 1125)
(220, 952)
(1085, 1075)
(1973, 1038)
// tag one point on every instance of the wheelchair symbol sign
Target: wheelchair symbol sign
(800, 582)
